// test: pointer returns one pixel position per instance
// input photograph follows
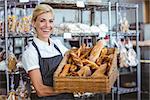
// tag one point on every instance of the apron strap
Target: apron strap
(57, 49)
(33, 43)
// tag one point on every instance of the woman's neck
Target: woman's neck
(47, 40)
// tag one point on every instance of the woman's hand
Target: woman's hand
(41, 89)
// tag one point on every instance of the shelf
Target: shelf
(27, 35)
(79, 35)
(13, 3)
(128, 6)
(84, 34)
(125, 5)
(72, 5)
(129, 34)
(145, 61)
(125, 71)
(127, 90)
(11, 35)
(145, 43)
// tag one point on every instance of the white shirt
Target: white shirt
(30, 58)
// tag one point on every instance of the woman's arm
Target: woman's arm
(41, 89)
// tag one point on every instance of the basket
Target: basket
(79, 84)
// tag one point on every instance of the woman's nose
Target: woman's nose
(48, 24)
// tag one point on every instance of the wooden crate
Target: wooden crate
(88, 84)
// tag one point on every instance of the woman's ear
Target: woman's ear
(33, 23)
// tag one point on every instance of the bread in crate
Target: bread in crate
(87, 70)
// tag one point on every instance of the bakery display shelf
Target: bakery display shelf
(16, 3)
(84, 34)
(78, 34)
(134, 8)
(122, 90)
(127, 90)
(102, 6)
(11, 35)
(124, 5)
(126, 34)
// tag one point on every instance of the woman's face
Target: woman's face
(44, 25)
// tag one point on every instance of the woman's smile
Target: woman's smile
(44, 25)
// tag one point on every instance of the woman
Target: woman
(42, 57)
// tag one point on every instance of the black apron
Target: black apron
(47, 68)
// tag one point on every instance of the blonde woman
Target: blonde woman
(42, 57)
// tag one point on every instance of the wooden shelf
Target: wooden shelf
(147, 11)
(142, 43)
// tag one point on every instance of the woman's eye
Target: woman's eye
(51, 21)
(41, 20)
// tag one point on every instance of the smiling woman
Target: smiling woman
(44, 26)
(42, 58)
(42, 21)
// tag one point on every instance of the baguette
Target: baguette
(100, 72)
(96, 51)
(65, 70)
(93, 65)
(84, 71)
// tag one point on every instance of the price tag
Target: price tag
(23, 0)
(80, 4)
(67, 36)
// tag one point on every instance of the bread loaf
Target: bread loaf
(96, 51)
(65, 70)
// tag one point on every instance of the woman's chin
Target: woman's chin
(46, 35)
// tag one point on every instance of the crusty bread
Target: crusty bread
(65, 70)
(84, 71)
(96, 51)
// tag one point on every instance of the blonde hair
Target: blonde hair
(40, 9)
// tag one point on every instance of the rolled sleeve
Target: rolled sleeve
(30, 60)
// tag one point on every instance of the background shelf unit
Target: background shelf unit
(137, 69)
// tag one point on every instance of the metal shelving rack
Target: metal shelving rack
(13, 3)
(121, 90)
(92, 7)
(6, 39)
